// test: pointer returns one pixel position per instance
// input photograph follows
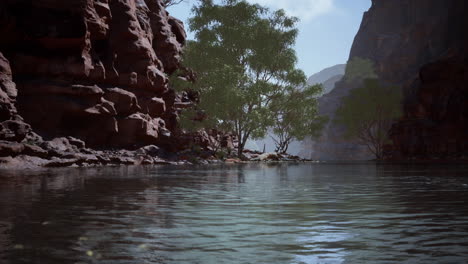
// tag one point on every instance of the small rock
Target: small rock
(61, 163)
(76, 142)
(151, 150)
(10, 148)
(36, 151)
(233, 161)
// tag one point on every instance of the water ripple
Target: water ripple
(355, 213)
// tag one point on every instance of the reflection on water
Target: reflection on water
(322, 213)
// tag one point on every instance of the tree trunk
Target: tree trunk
(285, 149)
(242, 142)
(282, 146)
(240, 149)
(240, 145)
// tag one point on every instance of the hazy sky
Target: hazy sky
(326, 30)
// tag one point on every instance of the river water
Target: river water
(306, 213)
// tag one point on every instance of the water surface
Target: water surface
(309, 213)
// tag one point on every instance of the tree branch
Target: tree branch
(168, 3)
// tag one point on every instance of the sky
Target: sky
(326, 28)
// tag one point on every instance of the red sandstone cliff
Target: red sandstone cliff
(421, 46)
(93, 69)
(96, 70)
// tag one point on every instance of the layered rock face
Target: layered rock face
(400, 36)
(420, 46)
(12, 126)
(92, 69)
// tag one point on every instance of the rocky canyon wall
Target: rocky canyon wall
(93, 69)
(420, 46)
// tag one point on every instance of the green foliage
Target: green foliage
(243, 56)
(221, 154)
(368, 112)
(296, 116)
(358, 69)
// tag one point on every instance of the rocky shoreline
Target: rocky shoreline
(34, 152)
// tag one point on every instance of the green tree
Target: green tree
(358, 69)
(296, 116)
(368, 113)
(243, 57)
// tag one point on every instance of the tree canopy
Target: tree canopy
(368, 113)
(296, 116)
(243, 57)
(359, 69)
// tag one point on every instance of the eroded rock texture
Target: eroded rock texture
(421, 46)
(92, 69)
(435, 121)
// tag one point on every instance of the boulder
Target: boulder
(35, 151)
(80, 144)
(14, 130)
(155, 106)
(151, 150)
(8, 90)
(7, 85)
(8, 148)
(136, 130)
(269, 156)
(125, 102)
(60, 144)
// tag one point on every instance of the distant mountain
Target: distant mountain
(328, 77)
(329, 84)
